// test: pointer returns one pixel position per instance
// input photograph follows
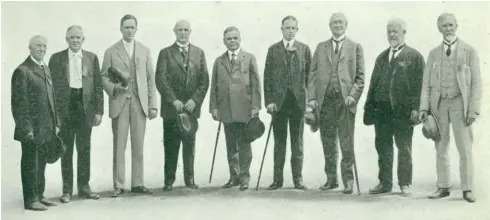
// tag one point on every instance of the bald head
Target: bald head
(447, 25)
(338, 24)
(37, 47)
(182, 30)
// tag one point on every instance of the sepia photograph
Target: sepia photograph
(245, 110)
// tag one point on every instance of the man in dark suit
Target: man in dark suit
(80, 105)
(336, 83)
(392, 106)
(36, 122)
(234, 99)
(285, 81)
(182, 80)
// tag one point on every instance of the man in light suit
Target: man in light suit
(182, 80)
(335, 86)
(285, 81)
(80, 105)
(234, 99)
(452, 91)
(392, 106)
(36, 122)
(129, 106)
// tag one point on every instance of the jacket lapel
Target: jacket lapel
(178, 56)
(344, 48)
(121, 51)
(241, 58)
(225, 62)
(65, 65)
(282, 52)
(328, 50)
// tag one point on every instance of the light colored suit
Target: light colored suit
(453, 110)
(129, 109)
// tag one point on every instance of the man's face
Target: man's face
(289, 29)
(447, 26)
(37, 48)
(232, 40)
(182, 32)
(128, 29)
(338, 25)
(75, 39)
(396, 35)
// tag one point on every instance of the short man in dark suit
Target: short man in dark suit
(234, 99)
(36, 121)
(79, 101)
(285, 81)
(392, 106)
(182, 80)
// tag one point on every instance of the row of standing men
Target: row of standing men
(65, 99)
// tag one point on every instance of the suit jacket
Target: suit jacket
(33, 103)
(350, 71)
(468, 77)
(175, 83)
(235, 91)
(116, 56)
(93, 96)
(276, 74)
(405, 85)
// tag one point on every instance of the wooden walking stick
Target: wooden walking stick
(265, 151)
(353, 151)
(214, 154)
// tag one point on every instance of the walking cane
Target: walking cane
(353, 151)
(214, 154)
(265, 151)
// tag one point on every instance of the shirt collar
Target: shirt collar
(37, 62)
(182, 45)
(341, 38)
(285, 42)
(128, 44)
(452, 43)
(398, 48)
(78, 54)
(236, 53)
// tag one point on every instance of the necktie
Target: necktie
(337, 44)
(233, 57)
(287, 45)
(448, 50)
(395, 50)
(184, 56)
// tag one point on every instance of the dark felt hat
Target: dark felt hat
(254, 129)
(187, 123)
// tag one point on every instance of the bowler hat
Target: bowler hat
(187, 123)
(431, 128)
(118, 76)
(55, 149)
(254, 129)
(312, 118)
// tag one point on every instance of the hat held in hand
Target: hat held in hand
(312, 118)
(254, 129)
(430, 128)
(118, 76)
(187, 123)
(55, 149)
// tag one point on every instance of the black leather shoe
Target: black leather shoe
(329, 186)
(468, 196)
(36, 206)
(230, 183)
(141, 190)
(243, 187)
(65, 198)
(275, 185)
(405, 190)
(48, 202)
(348, 189)
(88, 194)
(192, 186)
(299, 185)
(378, 189)
(117, 192)
(167, 188)
(440, 193)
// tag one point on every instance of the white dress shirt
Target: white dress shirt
(285, 42)
(37, 62)
(129, 46)
(399, 49)
(341, 41)
(181, 46)
(236, 54)
(445, 42)
(75, 60)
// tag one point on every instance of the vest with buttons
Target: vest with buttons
(334, 84)
(449, 81)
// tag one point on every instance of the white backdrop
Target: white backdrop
(259, 23)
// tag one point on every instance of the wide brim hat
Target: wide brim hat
(55, 149)
(430, 129)
(118, 76)
(254, 129)
(187, 123)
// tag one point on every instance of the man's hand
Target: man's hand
(313, 104)
(118, 88)
(152, 114)
(254, 113)
(414, 116)
(178, 105)
(350, 101)
(470, 118)
(215, 114)
(271, 108)
(97, 119)
(423, 116)
(190, 105)
(29, 137)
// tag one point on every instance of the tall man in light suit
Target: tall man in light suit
(285, 81)
(80, 105)
(452, 91)
(129, 106)
(335, 86)
(234, 99)
(182, 80)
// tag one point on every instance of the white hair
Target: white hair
(397, 22)
(35, 37)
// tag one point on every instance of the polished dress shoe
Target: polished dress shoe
(141, 190)
(299, 185)
(65, 198)
(117, 192)
(48, 202)
(231, 183)
(348, 189)
(405, 190)
(36, 206)
(243, 186)
(88, 194)
(440, 193)
(192, 186)
(275, 185)
(167, 187)
(468, 196)
(378, 189)
(329, 186)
